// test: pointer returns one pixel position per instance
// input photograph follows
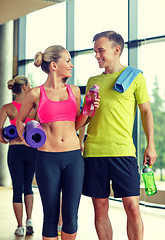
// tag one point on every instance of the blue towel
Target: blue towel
(125, 79)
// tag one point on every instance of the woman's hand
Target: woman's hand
(2, 140)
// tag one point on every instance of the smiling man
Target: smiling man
(109, 151)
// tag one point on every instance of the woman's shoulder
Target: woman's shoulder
(34, 92)
(7, 109)
(7, 106)
(76, 91)
(75, 88)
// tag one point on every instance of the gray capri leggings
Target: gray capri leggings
(21, 163)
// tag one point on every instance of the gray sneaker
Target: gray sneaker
(19, 231)
(29, 227)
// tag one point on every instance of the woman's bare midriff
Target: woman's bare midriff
(60, 136)
(16, 142)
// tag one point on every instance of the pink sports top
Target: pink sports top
(18, 106)
(53, 111)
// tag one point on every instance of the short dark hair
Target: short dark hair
(112, 36)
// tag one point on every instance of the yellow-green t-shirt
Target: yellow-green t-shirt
(109, 132)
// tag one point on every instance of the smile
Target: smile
(100, 61)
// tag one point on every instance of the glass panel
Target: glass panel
(153, 69)
(151, 18)
(96, 16)
(86, 66)
(36, 75)
(45, 27)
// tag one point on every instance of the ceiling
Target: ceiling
(13, 9)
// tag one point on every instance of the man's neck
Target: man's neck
(113, 69)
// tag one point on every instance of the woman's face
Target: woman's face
(64, 65)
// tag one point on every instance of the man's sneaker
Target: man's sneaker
(19, 231)
(29, 227)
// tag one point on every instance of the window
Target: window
(151, 18)
(36, 75)
(96, 16)
(151, 61)
(45, 27)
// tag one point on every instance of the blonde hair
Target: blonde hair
(16, 83)
(51, 54)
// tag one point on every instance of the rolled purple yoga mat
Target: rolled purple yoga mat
(34, 134)
(9, 133)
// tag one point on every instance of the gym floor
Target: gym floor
(153, 218)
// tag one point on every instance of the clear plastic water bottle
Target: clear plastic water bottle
(149, 181)
(89, 108)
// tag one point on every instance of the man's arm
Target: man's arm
(148, 126)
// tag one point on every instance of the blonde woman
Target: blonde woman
(60, 166)
(21, 158)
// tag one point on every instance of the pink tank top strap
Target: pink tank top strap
(42, 90)
(70, 92)
(43, 93)
(17, 105)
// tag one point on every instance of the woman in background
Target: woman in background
(21, 158)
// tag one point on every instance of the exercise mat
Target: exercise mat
(9, 133)
(34, 134)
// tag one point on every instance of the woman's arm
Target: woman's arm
(3, 117)
(81, 118)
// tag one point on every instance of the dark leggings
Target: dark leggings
(56, 172)
(21, 163)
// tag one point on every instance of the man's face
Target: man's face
(105, 52)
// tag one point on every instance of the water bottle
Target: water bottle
(89, 108)
(149, 181)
